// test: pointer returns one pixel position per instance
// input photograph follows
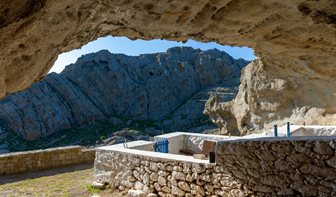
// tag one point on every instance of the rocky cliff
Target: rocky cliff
(296, 40)
(169, 88)
(288, 33)
(271, 95)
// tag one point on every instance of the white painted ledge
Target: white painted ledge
(166, 156)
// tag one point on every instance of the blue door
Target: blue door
(161, 146)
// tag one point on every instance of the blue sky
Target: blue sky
(136, 47)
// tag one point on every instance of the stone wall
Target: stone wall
(126, 171)
(277, 166)
(13, 163)
(261, 167)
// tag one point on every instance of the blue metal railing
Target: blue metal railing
(276, 130)
(161, 146)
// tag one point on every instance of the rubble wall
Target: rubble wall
(304, 166)
(276, 166)
(20, 162)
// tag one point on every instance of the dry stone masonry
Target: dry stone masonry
(156, 175)
(267, 167)
(20, 162)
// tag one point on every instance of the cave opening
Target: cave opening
(293, 80)
(119, 87)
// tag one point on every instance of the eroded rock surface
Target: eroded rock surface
(293, 34)
(296, 39)
(271, 95)
(171, 87)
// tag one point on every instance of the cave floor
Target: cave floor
(64, 182)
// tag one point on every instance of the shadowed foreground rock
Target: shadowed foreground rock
(171, 87)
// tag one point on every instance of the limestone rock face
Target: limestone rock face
(169, 86)
(296, 33)
(271, 95)
(296, 39)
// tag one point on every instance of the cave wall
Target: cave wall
(295, 39)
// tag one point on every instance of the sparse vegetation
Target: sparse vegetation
(92, 190)
(166, 35)
(87, 135)
(77, 136)
(65, 184)
(52, 183)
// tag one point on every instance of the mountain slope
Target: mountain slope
(102, 85)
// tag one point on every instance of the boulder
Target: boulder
(98, 185)
(136, 193)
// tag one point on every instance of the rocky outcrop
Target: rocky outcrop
(171, 87)
(271, 95)
(297, 34)
(187, 117)
(295, 39)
